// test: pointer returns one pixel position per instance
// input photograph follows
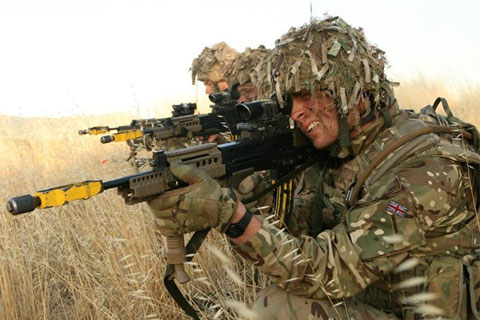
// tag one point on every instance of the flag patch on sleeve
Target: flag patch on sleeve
(397, 209)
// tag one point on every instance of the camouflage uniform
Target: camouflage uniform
(405, 245)
(407, 248)
(421, 208)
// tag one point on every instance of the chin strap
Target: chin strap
(344, 132)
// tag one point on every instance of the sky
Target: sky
(62, 57)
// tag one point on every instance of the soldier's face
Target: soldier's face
(212, 87)
(316, 118)
(209, 87)
(248, 92)
(222, 85)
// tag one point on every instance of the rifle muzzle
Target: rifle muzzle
(22, 204)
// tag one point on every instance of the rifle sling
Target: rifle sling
(192, 247)
(285, 178)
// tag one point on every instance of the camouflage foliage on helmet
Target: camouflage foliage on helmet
(212, 63)
(327, 55)
(242, 70)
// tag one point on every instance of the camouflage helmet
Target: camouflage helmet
(212, 63)
(332, 56)
(242, 70)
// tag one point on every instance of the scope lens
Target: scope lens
(243, 111)
(250, 110)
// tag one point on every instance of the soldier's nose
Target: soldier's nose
(298, 115)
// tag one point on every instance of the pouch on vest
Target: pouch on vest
(446, 282)
(474, 289)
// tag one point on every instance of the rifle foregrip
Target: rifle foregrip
(176, 257)
(22, 204)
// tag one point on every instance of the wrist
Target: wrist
(254, 225)
(239, 213)
(239, 223)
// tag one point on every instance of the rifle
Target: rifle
(223, 118)
(275, 149)
(183, 126)
(182, 109)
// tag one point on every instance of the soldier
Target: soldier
(392, 232)
(210, 66)
(243, 74)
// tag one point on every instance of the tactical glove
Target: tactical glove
(201, 205)
(253, 185)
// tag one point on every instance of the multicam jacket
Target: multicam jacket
(413, 230)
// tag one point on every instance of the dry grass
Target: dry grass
(99, 259)
(464, 100)
(95, 259)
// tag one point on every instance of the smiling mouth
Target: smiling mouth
(313, 125)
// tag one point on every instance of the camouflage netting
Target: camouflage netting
(242, 70)
(212, 63)
(327, 55)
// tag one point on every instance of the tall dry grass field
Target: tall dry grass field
(100, 259)
(464, 100)
(94, 259)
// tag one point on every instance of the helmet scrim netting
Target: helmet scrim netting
(327, 55)
(212, 63)
(242, 70)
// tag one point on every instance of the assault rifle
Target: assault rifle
(184, 126)
(184, 123)
(182, 109)
(223, 118)
(231, 161)
(275, 149)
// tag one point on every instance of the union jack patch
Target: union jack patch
(397, 209)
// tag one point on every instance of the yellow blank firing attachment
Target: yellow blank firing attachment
(127, 135)
(58, 196)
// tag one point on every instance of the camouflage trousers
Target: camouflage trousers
(275, 303)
